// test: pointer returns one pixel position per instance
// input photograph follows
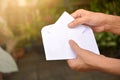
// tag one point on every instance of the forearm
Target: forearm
(112, 24)
(109, 65)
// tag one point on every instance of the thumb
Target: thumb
(79, 51)
(75, 47)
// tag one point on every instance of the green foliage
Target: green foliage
(109, 7)
(106, 39)
(106, 6)
(27, 21)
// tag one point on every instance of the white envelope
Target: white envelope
(56, 39)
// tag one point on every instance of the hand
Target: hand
(85, 59)
(99, 22)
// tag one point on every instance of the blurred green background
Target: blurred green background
(25, 18)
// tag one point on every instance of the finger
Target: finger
(98, 29)
(77, 13)
(74, 46)
(79, 51)
(77, 22)
(72, 63)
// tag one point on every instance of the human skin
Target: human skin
(87, 60)
(99, 22)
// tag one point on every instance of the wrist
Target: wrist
(112, 24)
(103, 64)
(109, 65)
(104, 21)
(98, 63)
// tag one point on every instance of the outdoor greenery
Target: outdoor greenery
(25, 18)
(108, 7)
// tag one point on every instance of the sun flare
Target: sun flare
(22, 2)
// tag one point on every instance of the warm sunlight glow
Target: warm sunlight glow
(22, 2)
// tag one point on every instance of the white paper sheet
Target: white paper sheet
(56, 39)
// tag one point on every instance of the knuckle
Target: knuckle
(81, 10)
(77, 10)
(73, 67)
(77, 21)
